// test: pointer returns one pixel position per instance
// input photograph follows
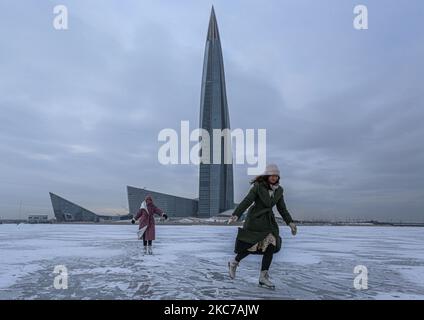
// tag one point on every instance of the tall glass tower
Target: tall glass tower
(216, 187)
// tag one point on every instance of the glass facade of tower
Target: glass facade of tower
(216, 188)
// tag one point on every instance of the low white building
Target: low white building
(38, 218)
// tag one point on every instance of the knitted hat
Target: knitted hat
(271, 170)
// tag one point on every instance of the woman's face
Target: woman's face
(272, 179)
(148, 200)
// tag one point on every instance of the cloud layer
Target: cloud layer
(81, 109)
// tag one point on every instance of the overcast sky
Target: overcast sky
(81, 109)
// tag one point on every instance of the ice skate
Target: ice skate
(232, 267)
(150, 250)
(264, 281)
(145, 250)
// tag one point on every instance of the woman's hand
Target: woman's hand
(293, 228)
(232, 219)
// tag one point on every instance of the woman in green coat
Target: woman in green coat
(260, 232)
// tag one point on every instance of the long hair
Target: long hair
(262, 178)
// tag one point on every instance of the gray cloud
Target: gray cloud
(81, 109)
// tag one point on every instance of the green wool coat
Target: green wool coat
(260, 219)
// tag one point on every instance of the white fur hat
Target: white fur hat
(271, 170)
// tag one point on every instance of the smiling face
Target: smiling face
(273, 179)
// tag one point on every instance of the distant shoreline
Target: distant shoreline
(223, 222)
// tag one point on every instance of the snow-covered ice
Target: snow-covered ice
(190, 262)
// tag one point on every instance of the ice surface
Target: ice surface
(190, 262)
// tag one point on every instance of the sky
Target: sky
(81, 109)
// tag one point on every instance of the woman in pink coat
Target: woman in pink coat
(147, 221)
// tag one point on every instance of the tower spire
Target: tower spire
(213, 33)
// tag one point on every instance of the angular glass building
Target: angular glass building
(67, 211)
(172, 205)
(216, 187)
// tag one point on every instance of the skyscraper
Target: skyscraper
(216, 188)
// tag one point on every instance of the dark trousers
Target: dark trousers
(266, 259)
(146, 242)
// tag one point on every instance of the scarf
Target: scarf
(272, 190)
